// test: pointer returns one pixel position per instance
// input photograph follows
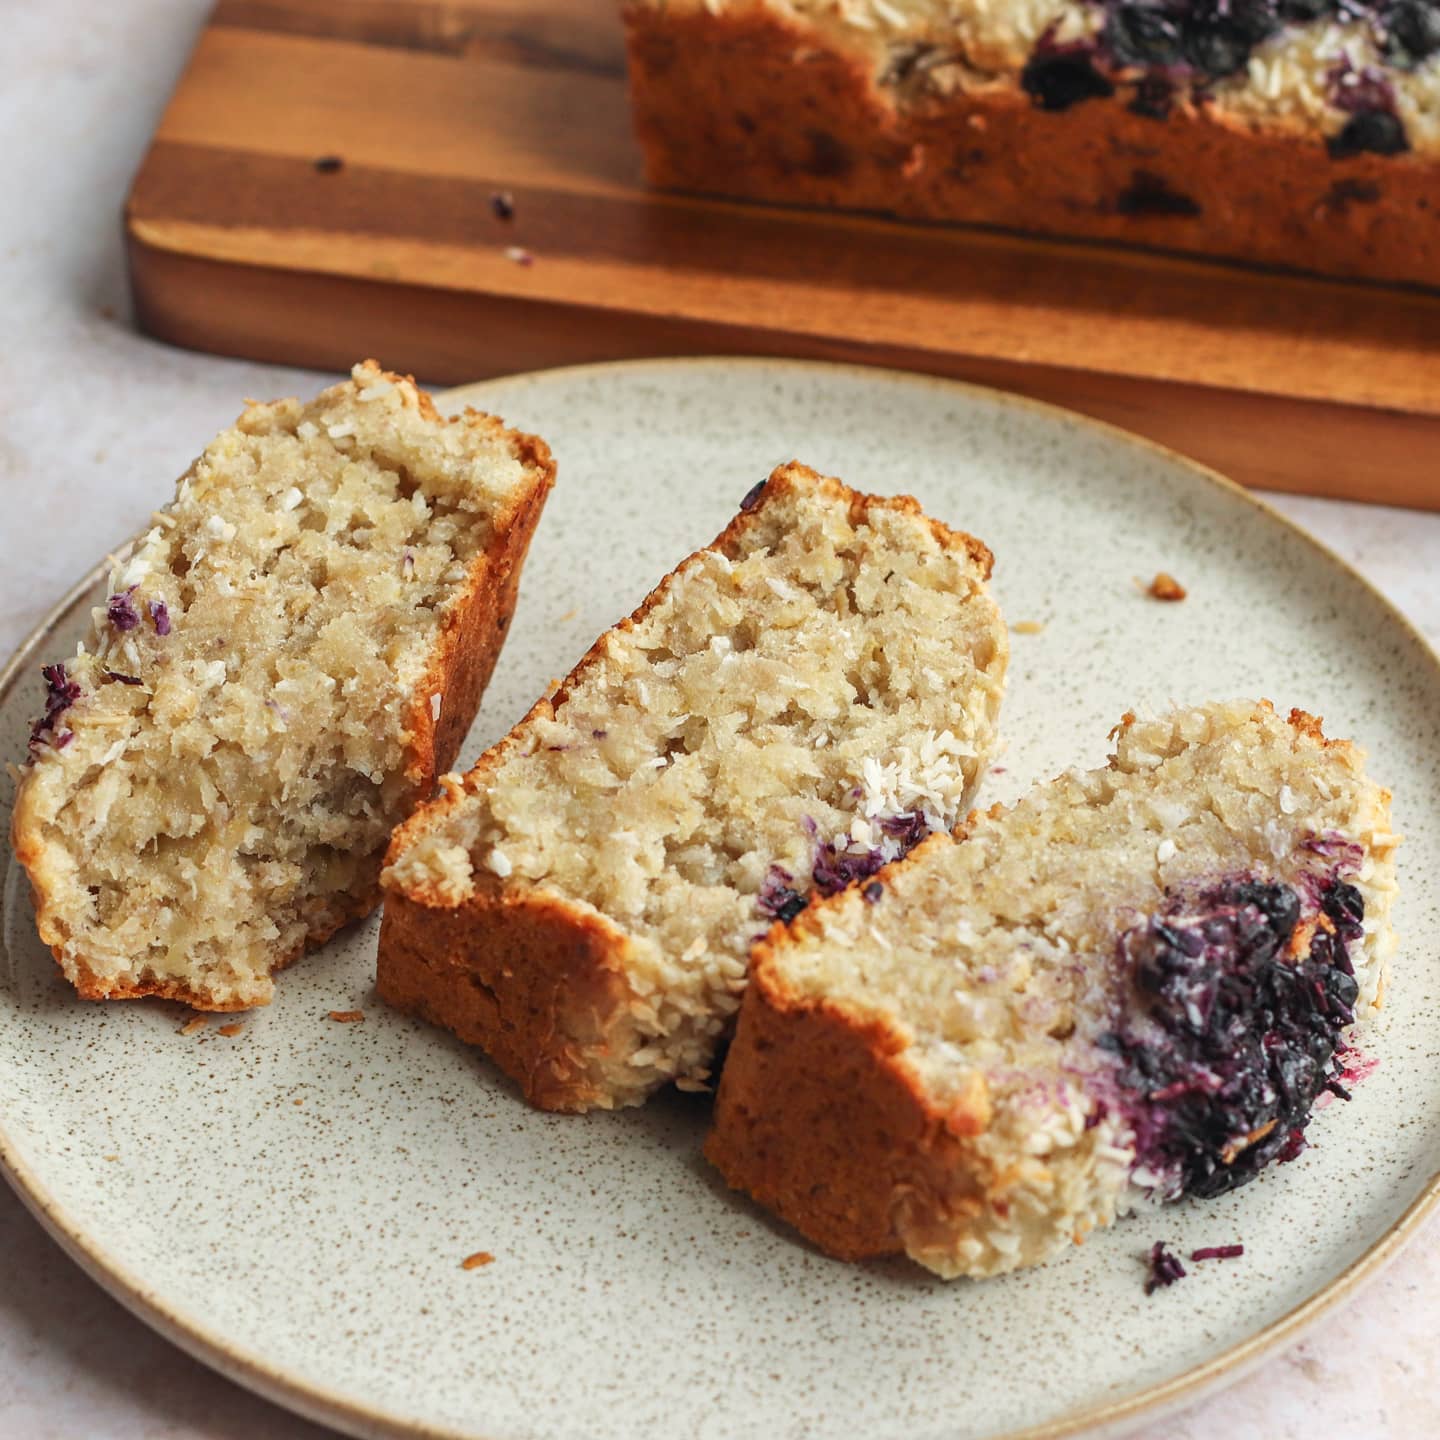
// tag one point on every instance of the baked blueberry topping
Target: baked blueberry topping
(120, 610)
(1236, 1036)
(1164, 1268)
(1412, 31)
(1376, 132)
(61, 692)
(834, 869)
(752, 495)
(1151, 46)
(160, 617)
(1142, 35)
(873, 892)
(1056, 79)
(1359, 91)
(907, 830)
(1218, 1252)
(777, 897)
(1218, 45)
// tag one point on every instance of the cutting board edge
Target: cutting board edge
(1325, 448)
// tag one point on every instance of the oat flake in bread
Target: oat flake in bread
(789, 709)
(282, 666)
(1135, 982)
(1299, 133)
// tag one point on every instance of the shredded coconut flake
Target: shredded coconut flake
(499, 863)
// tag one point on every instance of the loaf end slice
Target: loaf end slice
(281, 668)
(1134, 984)
(792, 707)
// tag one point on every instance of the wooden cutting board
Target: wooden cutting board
(321, 186)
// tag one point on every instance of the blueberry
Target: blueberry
(1412, 31)
(1278, 903)
(1217, 46)
(1345, 906)
(1243, 1039)
(1376, 132)
(1140, 35)
(1301, 12)
(790, 908)
(1058, 80)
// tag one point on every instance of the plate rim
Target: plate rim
(275, 1383)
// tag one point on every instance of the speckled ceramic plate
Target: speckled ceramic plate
(293, 1203)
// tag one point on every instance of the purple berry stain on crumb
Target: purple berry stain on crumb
(120, 610)
(836, 870)
(160, 617)
(778, 898)
(1163, 1267)
(1240, 1028)
(61, 692)
(1359, 91)
(502, 205)
(752, 496)
(1217, 1252)
(123, 679)
(599, 734)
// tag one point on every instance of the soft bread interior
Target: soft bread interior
(833, 663)
(997, 957)
(239, 744)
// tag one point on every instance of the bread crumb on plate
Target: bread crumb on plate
(1165, 587)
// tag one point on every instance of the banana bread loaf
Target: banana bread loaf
(788, 710)
(282, 666)
(1136, 980)
(1300, 133)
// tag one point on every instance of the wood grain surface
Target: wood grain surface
(240, 242)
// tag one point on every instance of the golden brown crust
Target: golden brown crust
(535, 981)
(750, 105)
(840, 1174)
(461, 663)
(557, 998)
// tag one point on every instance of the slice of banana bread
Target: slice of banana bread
(789, 709)
(1136, 980)
(282, 666)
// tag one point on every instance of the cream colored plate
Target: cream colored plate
(293, 1204)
